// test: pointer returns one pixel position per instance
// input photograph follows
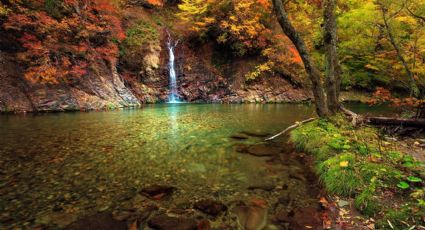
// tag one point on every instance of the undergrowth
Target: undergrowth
(354, 162)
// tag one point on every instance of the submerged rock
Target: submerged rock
(164, 222)
(59, 219)
(158, 191)
(259, 150)
(100, 221)
(255, 134)
(210, 207)
(283, 216)
(266, 186)
(252, 216)
(239, 137)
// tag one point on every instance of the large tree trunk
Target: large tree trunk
(313, 73)
(414, 90)
(332, 69)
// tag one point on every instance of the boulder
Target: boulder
(100, 221)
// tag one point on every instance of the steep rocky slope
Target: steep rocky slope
(145, 80)
(94, 91)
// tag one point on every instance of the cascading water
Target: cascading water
(173, 97)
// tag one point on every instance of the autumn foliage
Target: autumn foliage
(382, 95)
(61, 41)
(246, 28)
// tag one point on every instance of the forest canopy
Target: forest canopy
(368, 56)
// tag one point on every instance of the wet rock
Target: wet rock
(164, 222)
(266, 186)
(100, 221)
(158, 192)
(252, 216)
(210, 207)
(343, 203)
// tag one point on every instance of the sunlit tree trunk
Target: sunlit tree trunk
(332, 73)
(313, 73)
(414, 90)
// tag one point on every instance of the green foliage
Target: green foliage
(141, 34)
(338, 178)
(366, 201)
(403, 185)
(414, 179)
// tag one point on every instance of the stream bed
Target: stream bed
(191, 166)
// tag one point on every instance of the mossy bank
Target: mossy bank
(357, 163)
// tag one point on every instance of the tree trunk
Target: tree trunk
(420, 123)
(332, 70)
(414, 91)
(312, 72)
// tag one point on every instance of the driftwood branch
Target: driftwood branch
(296, 125)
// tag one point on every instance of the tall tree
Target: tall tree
(332, 73)
(313, 73)
(414, 90)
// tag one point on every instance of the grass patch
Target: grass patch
(352, 162)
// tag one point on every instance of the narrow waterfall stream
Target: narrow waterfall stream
(173, 96)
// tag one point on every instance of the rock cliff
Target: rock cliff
(142, 77)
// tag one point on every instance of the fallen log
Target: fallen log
(297, 124)
(391, 121)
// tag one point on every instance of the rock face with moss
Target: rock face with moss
(102, 88)
(355, 162)
(206, 73)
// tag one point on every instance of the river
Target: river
(69, 165)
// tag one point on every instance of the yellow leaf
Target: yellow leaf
(343, 164)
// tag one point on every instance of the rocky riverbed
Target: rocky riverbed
(281, 192)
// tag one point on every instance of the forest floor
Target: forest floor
(376, 181)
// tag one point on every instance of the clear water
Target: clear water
(87, 162)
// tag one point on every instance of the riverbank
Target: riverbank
(366, 172)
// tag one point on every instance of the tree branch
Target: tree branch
(296, 125)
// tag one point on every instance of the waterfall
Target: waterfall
(173, 97)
